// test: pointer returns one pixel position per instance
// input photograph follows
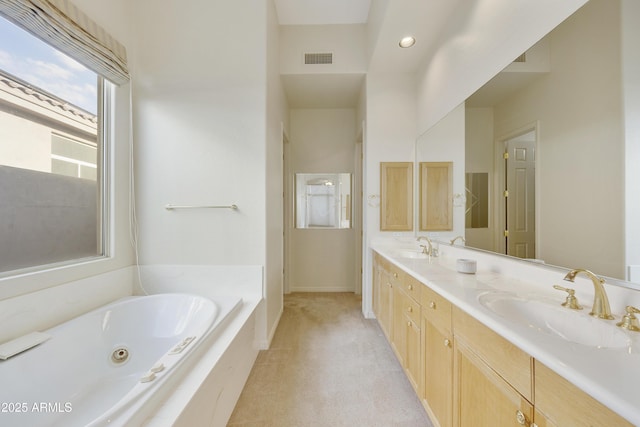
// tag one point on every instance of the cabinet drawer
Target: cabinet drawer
(564, 404)
(511, 363)
(396, 275)
(412, 287)
(435, 308)
(410, 308)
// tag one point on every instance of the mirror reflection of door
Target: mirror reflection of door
(520, 195)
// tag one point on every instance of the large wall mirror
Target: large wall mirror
(574, 98)
(323, 200)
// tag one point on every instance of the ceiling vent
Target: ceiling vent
(318, 58)
(521, 58)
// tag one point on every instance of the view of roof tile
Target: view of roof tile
(36, 94)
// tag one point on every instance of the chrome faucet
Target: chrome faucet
(601, 307)
(456, 238)
(424, 248)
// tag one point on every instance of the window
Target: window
(72, 157)
(51, 155)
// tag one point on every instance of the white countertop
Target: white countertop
(610, 375)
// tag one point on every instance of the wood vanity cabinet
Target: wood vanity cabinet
(492, 378)
(398, 343)
(407, 329)
(396, 196)
(383, 294)
(397, 309)
(464, 373)
(436, 196)
(376, 281)
(560, 403)
(437, 357)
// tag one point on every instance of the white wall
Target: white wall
(201, 135)
(479, 158)
(322, 141)
(480, 41)
(277, 122)
(445, 142)
(346, 42)
(200, 126)
(581, 146)
(630, 12)
(390, 134)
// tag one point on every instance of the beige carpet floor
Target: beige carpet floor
(327, 366)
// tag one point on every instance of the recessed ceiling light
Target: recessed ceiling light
(407, 42)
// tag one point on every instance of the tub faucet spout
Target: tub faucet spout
(601, 307)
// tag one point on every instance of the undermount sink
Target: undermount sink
(570, 325)
(411, 253)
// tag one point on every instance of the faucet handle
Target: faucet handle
(629, 320)
(571, 301)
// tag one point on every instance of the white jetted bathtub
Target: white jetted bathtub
(102, 367)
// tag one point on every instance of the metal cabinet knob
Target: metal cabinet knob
(432, 304)
(447, 343)
(522, 419)
(410, 309)
(410, 287)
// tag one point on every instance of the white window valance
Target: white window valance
(61, 24)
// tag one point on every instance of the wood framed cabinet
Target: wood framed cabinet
(560, 403)
(386, 277)
(436, 196)
(465, 373)
(437, 358)
(492, 378)
(482, 397)
(396, 196)
(407, 335)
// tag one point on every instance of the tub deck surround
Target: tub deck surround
(609, 375)
(207, 393)
(92, 371)
(49, 307)
(219, 368)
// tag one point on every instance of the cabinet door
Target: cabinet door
(437, 396)
(413, 365)
(481, 397)
(386, 299)
(436, 196)
(375, 286)
(396, 196)
(563, 404)
(399, 342)
(511, 363)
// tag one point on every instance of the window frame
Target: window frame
(105, 113)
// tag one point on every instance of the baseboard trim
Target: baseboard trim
(322, 289)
